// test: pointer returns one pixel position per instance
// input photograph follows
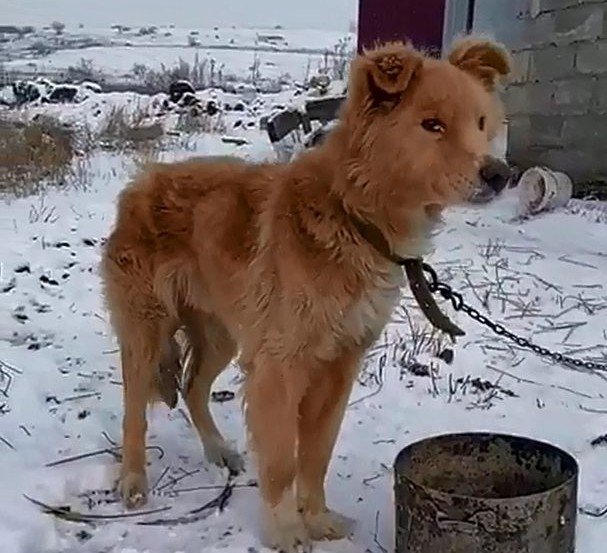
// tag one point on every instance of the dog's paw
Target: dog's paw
(328, 525)
(287, 533)
(133, 490)
(221, 454)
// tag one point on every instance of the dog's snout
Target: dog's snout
(495, 173)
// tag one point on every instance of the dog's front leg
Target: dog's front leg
(273, 391)
(320, 416)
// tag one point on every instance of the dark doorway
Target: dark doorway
(420, 21)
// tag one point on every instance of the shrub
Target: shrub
(125, 131)
(35, 154)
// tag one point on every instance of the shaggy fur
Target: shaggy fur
(265, 262)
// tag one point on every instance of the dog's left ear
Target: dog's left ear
(383, 74)
(484, 59)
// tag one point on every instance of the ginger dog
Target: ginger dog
(268, 262)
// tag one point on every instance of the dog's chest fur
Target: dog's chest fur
(369, 314)
(364, 320)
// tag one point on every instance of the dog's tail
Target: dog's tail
(168, 376)
(174, 372)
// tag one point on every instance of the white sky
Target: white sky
(301, 14)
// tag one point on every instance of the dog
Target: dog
(277, 264)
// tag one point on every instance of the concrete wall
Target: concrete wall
(557, 101)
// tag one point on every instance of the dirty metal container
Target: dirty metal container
(485, 493)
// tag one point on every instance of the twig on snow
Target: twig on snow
(81, 396)
(375, 534)
(172, 481)
(178, 491)
(66, 513)
(217, 503)
(159, 479)
(7, 443)
(591, 410)
(112, 451)
(111, 441)
(528, 381)
(597, 513)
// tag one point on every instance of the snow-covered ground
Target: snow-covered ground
(119, 60)
(544, 278)
(277, 51)
(60, 381)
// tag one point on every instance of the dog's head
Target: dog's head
(419, 129)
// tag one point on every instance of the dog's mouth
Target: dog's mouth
(493, 177)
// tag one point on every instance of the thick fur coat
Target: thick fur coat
(264, 263)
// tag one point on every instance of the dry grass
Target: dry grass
(202, 73)
(193, 123)
(34, 155)
(124, 131)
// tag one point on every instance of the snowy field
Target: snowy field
(60, 381)
(119, 60)
(279, 51)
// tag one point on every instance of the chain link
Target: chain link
(458, 303)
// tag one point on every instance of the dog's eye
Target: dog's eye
(481, 123)
(433, 125)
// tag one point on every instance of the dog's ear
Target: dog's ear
(486, 60)
(383, 74)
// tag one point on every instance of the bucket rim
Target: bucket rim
(567, 457)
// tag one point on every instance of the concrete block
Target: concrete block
(546, 131)
(488, 15)
(516, 101)
(574, 95)
(521, 63)
(580, 23)
(519, 129)
(580, 164)
(530, 98)
(552, 63)
(520, 124)
(585, 131)
(592, 58)
(538, 31)
(600, 95)
(517, 33)
(553, 5)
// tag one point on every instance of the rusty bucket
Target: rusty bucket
(485, 493)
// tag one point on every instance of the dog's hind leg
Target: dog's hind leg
(211, 349)
(141, 349)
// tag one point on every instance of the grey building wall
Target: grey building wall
(557, 100)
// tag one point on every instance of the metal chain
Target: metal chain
(459, 304)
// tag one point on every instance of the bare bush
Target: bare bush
(40, 48)
(202, 73)
(58, 27)
(336, 62)
(192, 123)
(124, 131)
(35, 154)
(83, 71)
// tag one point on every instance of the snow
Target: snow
(543, 277)
(47, 419)
(236, 49)
(121, 59)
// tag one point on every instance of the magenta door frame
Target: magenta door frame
(420, 21)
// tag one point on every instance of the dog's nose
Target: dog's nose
(495, 173)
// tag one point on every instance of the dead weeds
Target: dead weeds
(35, 154)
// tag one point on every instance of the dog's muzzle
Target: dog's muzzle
(493, 177)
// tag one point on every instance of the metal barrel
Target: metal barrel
(485, 493)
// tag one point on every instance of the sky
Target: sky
(299, 14)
